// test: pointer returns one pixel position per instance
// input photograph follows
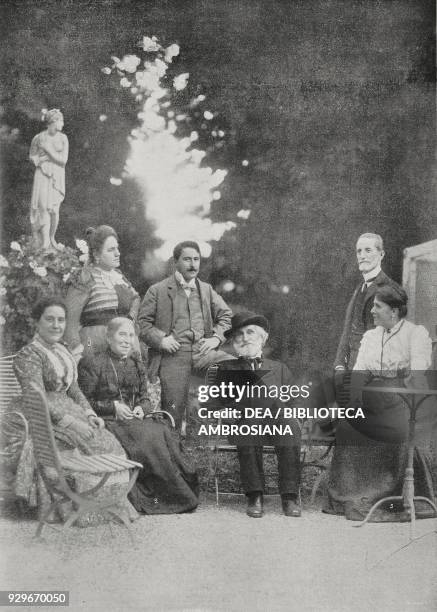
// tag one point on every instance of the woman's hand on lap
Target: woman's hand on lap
(123, 412)
(83, 430)
(96, 422)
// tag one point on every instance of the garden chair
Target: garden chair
(14, 429)
(53, 468)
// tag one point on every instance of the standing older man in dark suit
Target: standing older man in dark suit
(183, 321)
(370, 253)
(249, 333)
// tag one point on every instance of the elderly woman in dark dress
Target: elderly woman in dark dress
(370, 454)
(97, 294)
(115, 383)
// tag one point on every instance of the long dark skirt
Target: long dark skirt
(370, 457)
(166, 484)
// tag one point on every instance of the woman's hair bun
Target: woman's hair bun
(90, 231)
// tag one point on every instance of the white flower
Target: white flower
(285, 289)
(216, 195)
(3, 262)
(150, 44)
(115, 181)
(245, 163)
(3, 291)
(129, 63)
(32, 264)
(40, 271)
(201, 98)
(106, 70)
(171, 52)
(124, 82)
(194, 136)
(161, 67)
(83, 258)
(221, 133)
(170, 114)
(103, 118)
(66, 277)
(243, 213)
(181, 117)
(208, 116)
(82, 246)
(2, 320)
(60, 246)
(15, 246)
(180, 82)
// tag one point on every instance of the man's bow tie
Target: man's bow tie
(255, 362)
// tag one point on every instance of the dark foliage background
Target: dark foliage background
(332, 102)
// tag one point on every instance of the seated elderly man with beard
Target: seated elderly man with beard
(249, 333)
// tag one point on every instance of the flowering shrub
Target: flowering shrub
(27, 274)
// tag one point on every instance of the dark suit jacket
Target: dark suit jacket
(156, 316)
(346, 354)
(275, 374)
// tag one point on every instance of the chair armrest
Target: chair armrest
(165, 414)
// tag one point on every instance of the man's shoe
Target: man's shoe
(291, 507)
(255, 505)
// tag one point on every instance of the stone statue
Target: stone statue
(49, 153)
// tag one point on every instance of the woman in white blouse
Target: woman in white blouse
(371, 453)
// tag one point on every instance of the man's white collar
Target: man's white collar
(372, 274)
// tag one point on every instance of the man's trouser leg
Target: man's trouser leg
(251, 468)
(288, 469)
(175, 374)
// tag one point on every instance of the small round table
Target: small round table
(414, 398)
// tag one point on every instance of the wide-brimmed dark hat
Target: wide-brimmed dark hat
(241, 319)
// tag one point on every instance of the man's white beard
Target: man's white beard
(250, 350)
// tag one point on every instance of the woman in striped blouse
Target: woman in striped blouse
(97, 294)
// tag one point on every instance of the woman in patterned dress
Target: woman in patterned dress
(48, 363)
(97, 294)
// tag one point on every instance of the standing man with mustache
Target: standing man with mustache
(182, 320)
(370, 253)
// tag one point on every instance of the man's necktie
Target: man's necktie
(367, 283)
